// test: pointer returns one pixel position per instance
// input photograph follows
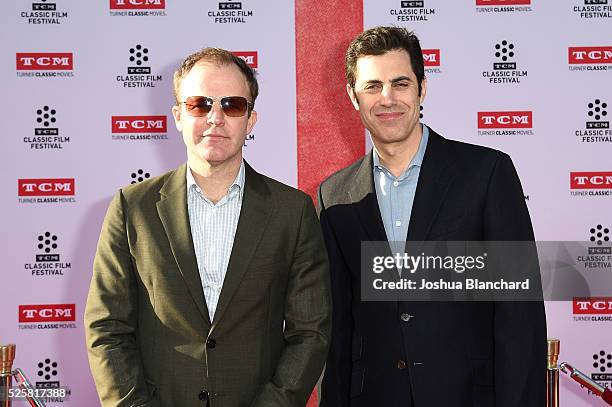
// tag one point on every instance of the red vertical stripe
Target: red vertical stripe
(329, 133)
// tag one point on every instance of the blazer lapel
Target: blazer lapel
(434, 178)
(363, 196)
(172, 210)
(257, 207)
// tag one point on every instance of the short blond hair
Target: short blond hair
(221, 57)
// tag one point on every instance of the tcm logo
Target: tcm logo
(590, 55)
(139, 124)
(592, 305)
(46, 187)
(250, 57)
(44, 7)
(412, 4)
(591, 180)
(431, 57)
(502, 2)
(44, 61)
(230, 6)
(47, 313)
(505, 120)
(137, 4)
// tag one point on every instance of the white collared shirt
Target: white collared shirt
(213, 228)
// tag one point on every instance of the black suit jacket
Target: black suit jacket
(436, 353)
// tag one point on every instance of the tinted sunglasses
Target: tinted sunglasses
(233, 106)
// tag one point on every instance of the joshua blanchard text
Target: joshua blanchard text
(470, 284)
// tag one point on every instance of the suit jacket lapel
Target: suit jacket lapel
(434, 178)
(172, 210)
(363, 195)
(257, 207)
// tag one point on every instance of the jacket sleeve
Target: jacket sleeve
(307, 320)
(335, 388)
(111, 317)
(520, 327)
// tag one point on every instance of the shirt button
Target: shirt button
(401, 364)
(398, 223)
(395, 183)
(406, 317)
(211, 343)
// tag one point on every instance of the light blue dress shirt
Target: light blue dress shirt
(213, 228)
(395, 195)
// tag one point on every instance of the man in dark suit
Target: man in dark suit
(210, 283)
(418, 186)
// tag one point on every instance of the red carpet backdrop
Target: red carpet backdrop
(87, 91)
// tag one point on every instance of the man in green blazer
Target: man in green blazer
(210, 284)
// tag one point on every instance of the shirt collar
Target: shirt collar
(417, 160)
(238, 181)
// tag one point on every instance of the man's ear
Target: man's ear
(353, 96)
(423, 90)
(251, 122)
(176, 113)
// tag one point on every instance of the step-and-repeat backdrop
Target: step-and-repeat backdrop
(86, 97)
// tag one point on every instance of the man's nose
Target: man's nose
(387, 96)
(216, 115)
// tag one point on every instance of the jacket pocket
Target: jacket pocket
(151, 388)
(357, 378)
(356, 347)
(446, 228)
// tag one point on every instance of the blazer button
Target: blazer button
(203, 395)
(211, 343)
(401, 364)
(406, 317)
